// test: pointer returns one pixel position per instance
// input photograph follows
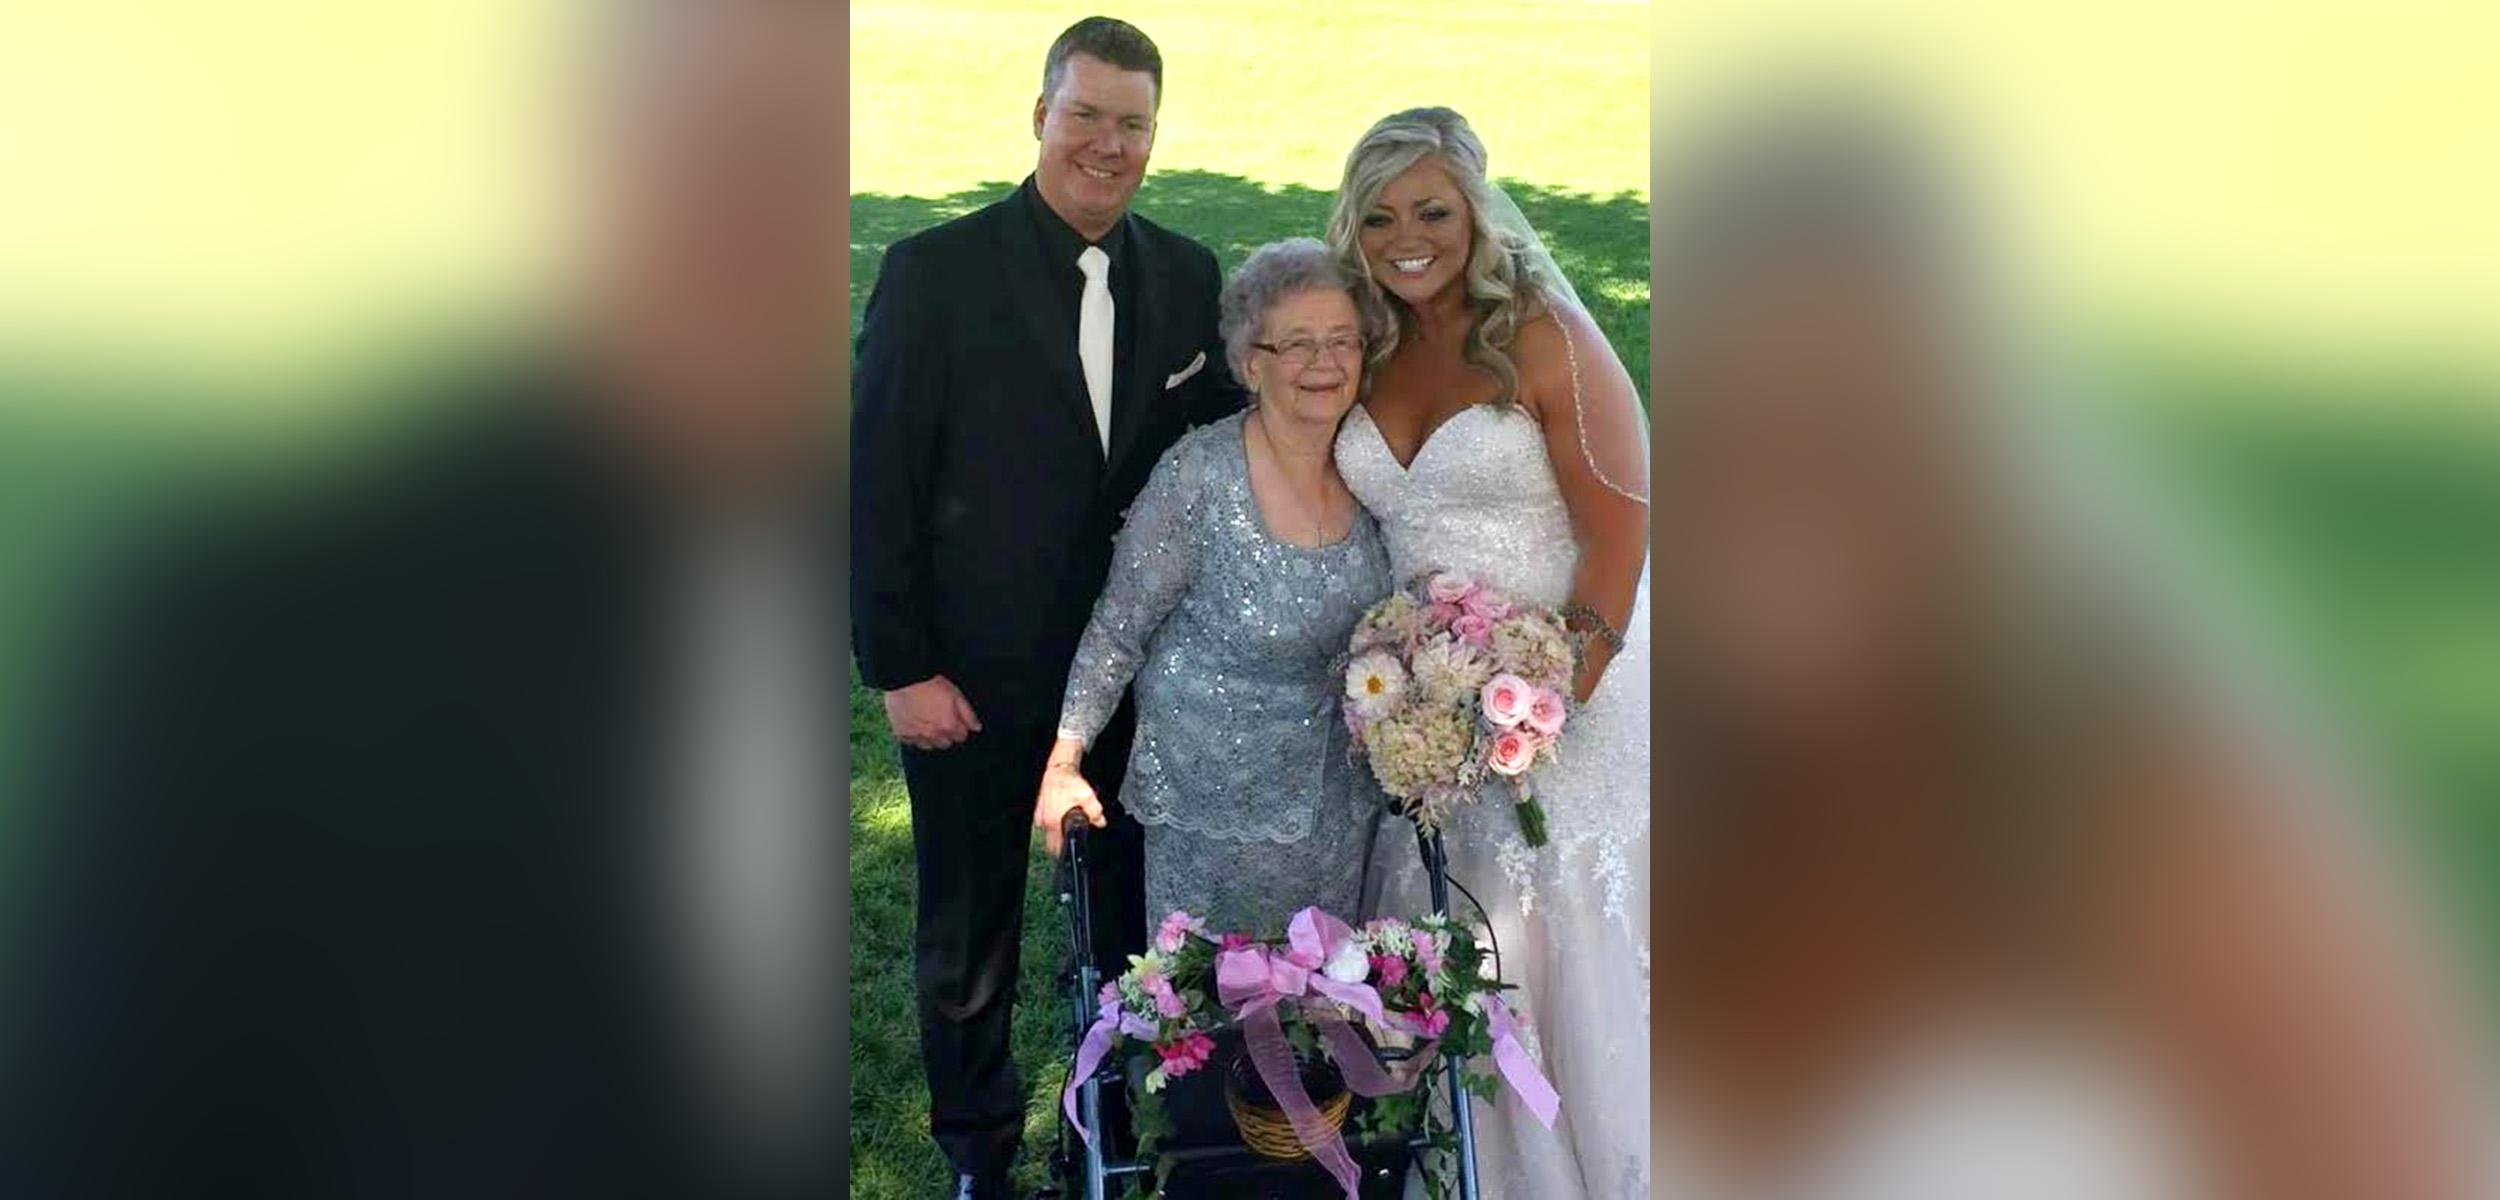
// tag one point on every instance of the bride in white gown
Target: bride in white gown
(1502, 439)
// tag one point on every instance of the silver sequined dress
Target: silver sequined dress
(1240, 773)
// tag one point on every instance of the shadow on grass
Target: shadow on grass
(1601, 242)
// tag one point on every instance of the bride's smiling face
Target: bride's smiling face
(1417, 236)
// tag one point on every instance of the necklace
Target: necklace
(1319, 522)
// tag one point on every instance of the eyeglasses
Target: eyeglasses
(1299, 353)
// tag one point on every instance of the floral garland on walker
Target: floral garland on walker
(1422, 983)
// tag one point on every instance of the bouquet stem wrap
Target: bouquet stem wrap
(1532, 822)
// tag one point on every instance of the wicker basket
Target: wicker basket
(1264, 1127)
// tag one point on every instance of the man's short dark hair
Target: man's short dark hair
(1107, 38)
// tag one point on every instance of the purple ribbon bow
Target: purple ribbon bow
(1113, 1022)
(1511, 1059)
(1254, 981)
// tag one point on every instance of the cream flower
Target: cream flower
(1448, 672)
(1418, 750)
(1374, 684)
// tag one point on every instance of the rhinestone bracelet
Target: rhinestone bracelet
(1585, 622)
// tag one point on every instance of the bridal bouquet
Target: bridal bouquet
(1424, 983)
(1451, 684)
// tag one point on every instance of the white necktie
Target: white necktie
(1093, 337)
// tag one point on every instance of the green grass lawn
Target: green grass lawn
(1261, 103)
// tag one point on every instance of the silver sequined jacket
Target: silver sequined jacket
(1231, 636)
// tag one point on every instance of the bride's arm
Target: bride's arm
(1599, 446)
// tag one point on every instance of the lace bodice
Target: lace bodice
(1480, 498)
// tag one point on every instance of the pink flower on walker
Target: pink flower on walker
(1167, 1002)
(1434, 1021)
(1176, 929)
(1392, 969)
(1427, 952)
(1185, 1054)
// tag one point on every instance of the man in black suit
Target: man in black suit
(468, 830)
(1019, 372)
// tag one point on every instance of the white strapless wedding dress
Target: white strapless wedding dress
(1572, 918)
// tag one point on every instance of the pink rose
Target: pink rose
(1514, 751)
(1475, 629)
(1234, 941)
(1437, 617)
(1546, 711)
(1487, 605)
(1448, 587)
(1506, 699)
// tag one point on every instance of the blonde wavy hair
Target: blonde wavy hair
(1506, 287)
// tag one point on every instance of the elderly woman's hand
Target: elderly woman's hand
(1063, 791)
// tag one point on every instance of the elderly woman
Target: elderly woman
(1238, 577)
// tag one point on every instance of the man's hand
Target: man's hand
(930, 714)
(1064, 790)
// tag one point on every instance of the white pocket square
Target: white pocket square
(1182, 376)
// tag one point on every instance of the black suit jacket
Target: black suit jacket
(982, 505)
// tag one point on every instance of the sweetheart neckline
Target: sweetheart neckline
(1407, 469)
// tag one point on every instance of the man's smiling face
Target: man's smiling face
(1097, 128)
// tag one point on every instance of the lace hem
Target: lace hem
(1295, 828)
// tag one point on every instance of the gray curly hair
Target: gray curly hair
(1271, 273)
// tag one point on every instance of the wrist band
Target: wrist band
(1585, 622)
